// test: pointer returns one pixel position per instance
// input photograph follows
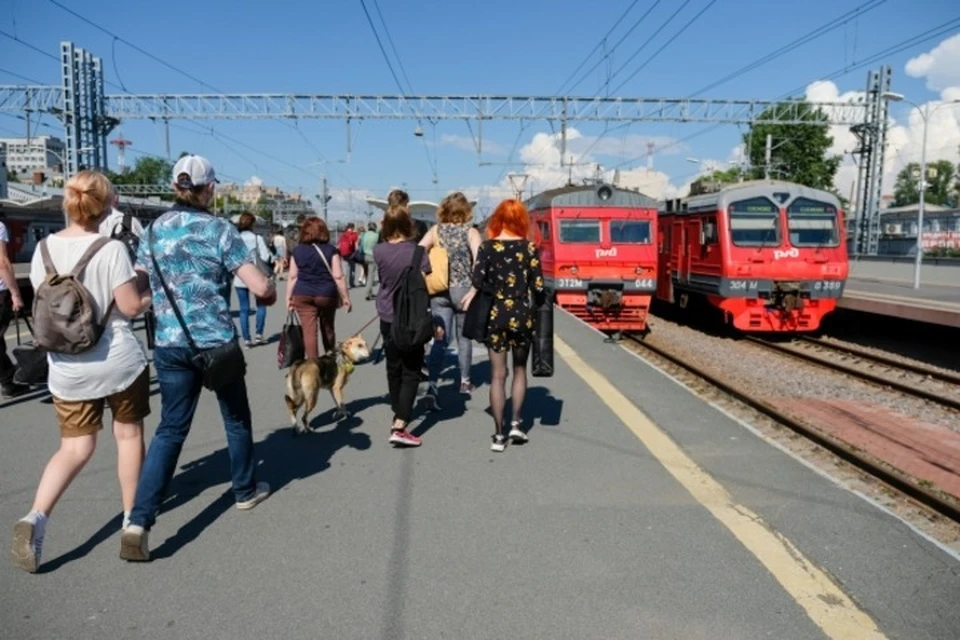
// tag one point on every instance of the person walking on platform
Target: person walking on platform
(280, 250)
(117, 223)
(258, 248)
(346, 245)
(191, 256)
(508, 265)
(113, 371)
(393, 257)
(454, 232)
(316, 286)
(10, 304)
(368, 241)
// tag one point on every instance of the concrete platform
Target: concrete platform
(931, 303)
(610, 523)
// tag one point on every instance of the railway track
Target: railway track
(907, 378)
(883, 472)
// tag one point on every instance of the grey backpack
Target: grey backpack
(64, 311)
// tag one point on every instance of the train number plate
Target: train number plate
(644, 283)
(570, 283)
(827, 285)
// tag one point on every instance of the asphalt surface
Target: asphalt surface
(940, 293)
(579, 534)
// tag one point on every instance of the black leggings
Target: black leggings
(403, 375)
(498, 384)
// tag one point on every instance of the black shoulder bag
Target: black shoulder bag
(220, 365)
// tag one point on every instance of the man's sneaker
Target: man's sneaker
(27, 544)
(133, 544)
(259, 340)
(516, 435)
(466, 389)
(14, 389)
(263, 490)
(403, 438)
(499, 443)
(248, 344)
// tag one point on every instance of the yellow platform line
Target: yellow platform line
(824, 602)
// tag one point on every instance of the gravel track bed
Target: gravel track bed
(926, 520)
(891, 355)
(776, 376)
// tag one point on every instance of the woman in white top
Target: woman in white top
(255, 244)
(113, 372)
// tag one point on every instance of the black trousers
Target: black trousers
(403, 375)
(7, 368)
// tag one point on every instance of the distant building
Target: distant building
(898, 229)
(41, 154)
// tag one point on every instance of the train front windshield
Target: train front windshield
(630, 231)
(580, 231)
(812, 224)
(754, 223)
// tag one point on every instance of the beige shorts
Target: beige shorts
(85, 417)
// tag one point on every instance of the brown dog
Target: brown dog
(329, 371)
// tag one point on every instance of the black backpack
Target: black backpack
(412, 321)
(126, 235)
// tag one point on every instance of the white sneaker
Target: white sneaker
(499, 444)
(516, 435)
(27, 544)
(263, 490)
(134, 546)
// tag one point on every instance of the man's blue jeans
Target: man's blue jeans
(180, 385)
(243, 295)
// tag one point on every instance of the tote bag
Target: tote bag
(291, 348)
(438, 280)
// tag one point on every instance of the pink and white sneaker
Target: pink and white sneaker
(402, 438)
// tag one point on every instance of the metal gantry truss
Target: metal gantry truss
(436, 108)
(872, 137)
(89, 115)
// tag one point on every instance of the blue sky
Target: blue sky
(496, 47)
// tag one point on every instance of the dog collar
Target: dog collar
(348, 367)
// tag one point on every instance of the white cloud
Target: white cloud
(940, 66)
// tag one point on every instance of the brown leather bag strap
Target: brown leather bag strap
(98, 244)
(47, 260)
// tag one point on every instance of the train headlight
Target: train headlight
(574, 270)
(604, 193)
(639, 270)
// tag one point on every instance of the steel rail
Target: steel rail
(890, 476)
(857, 373)
(942, 376)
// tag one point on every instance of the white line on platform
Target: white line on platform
(926, 303)
(824, 601)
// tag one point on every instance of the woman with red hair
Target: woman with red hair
(508, 266)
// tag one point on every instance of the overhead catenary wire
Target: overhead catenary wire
(806, 38)
(608, 53)
(921, 38)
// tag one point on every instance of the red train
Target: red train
(770, 255)
(598, 248)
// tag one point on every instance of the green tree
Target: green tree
(147, 170)
(941, 187)
(801, 151)
(728, 176)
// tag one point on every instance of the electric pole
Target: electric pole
(324, 197)
(766, 157)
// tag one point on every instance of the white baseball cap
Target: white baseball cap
(198, 172)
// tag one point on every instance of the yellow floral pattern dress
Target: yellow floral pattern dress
(510, 269)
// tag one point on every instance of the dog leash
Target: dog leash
(370, 322)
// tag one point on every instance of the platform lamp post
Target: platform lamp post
(924, 112)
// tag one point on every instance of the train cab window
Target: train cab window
(630, 231)
(754, 223)
(544, 231)
(580, 231)
(708, 231)
(812, 224)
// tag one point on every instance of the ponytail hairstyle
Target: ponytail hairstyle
(86, 197)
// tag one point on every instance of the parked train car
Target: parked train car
(770, 255)
(598, 249)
